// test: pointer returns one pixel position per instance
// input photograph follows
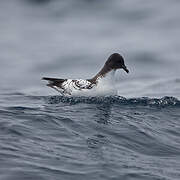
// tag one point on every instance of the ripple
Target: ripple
(21, 108)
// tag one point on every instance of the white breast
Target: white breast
(106, 85)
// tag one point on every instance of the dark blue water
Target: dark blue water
(132, 136)
(54, 137)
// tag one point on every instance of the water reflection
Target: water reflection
(98, 142)
(103, 113)
(96, 145)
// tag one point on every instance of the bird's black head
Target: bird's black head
(116, 61)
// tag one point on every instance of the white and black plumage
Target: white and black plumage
(99, 82)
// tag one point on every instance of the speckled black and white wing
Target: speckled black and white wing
(69, 86)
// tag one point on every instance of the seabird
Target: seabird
(80, 86)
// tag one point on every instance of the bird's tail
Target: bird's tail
(54, 81)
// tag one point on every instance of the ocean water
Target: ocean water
(134, 135)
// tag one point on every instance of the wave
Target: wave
(143, 101)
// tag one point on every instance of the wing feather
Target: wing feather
(67, 86)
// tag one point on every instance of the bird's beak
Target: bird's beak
(125, 68)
